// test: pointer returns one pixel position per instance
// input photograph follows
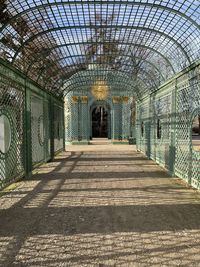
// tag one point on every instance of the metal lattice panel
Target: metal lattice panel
(182, 135)
(40, 129)
(11, 132)
(142, 123)
(187, 102)
(78, 112)
(58, 127)
(84, 80)
(84, 120)
(117, 129)
(146, 39)
(162, 116)
(37, 130)
(170, 142)
(75, 127)
(126, 115)
(195, 173)
(68, 118)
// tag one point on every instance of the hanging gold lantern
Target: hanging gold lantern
(100, 90)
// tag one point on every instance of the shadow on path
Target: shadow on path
(72, 214)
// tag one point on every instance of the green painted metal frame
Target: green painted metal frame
(78, 121)
(146, 4)
(129, 44)
(167, 12)
(29, 88)
(21, 79)
(32, 38)
(176, 153)
(63, 81)
(121, 43)
(50, 65)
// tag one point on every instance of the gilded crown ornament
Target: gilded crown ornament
(100, 90)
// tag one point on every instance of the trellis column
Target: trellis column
(172, 148)
(126, 113)
(27, 135)
(84, 130)
(75, 121)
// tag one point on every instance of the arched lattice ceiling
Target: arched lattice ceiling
(118, 81)
(148, 40)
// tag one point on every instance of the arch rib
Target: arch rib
(129, 44)
(111, 2)
(144, 60)
(94, 27)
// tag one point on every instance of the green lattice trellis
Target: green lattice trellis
(28, 125)
(11, 106)
(175, 105)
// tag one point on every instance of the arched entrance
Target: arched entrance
(100, 120)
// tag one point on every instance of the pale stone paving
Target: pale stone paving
(100, 205)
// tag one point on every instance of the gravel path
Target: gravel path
(100, 206)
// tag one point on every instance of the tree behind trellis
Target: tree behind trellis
(102, 47)
(36, 55)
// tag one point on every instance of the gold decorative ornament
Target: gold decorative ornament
(84, 99)
(116, 99)
(100, 90)
(120, 99)
(125, 99)
(75, 99)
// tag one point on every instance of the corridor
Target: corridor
(101, 206)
